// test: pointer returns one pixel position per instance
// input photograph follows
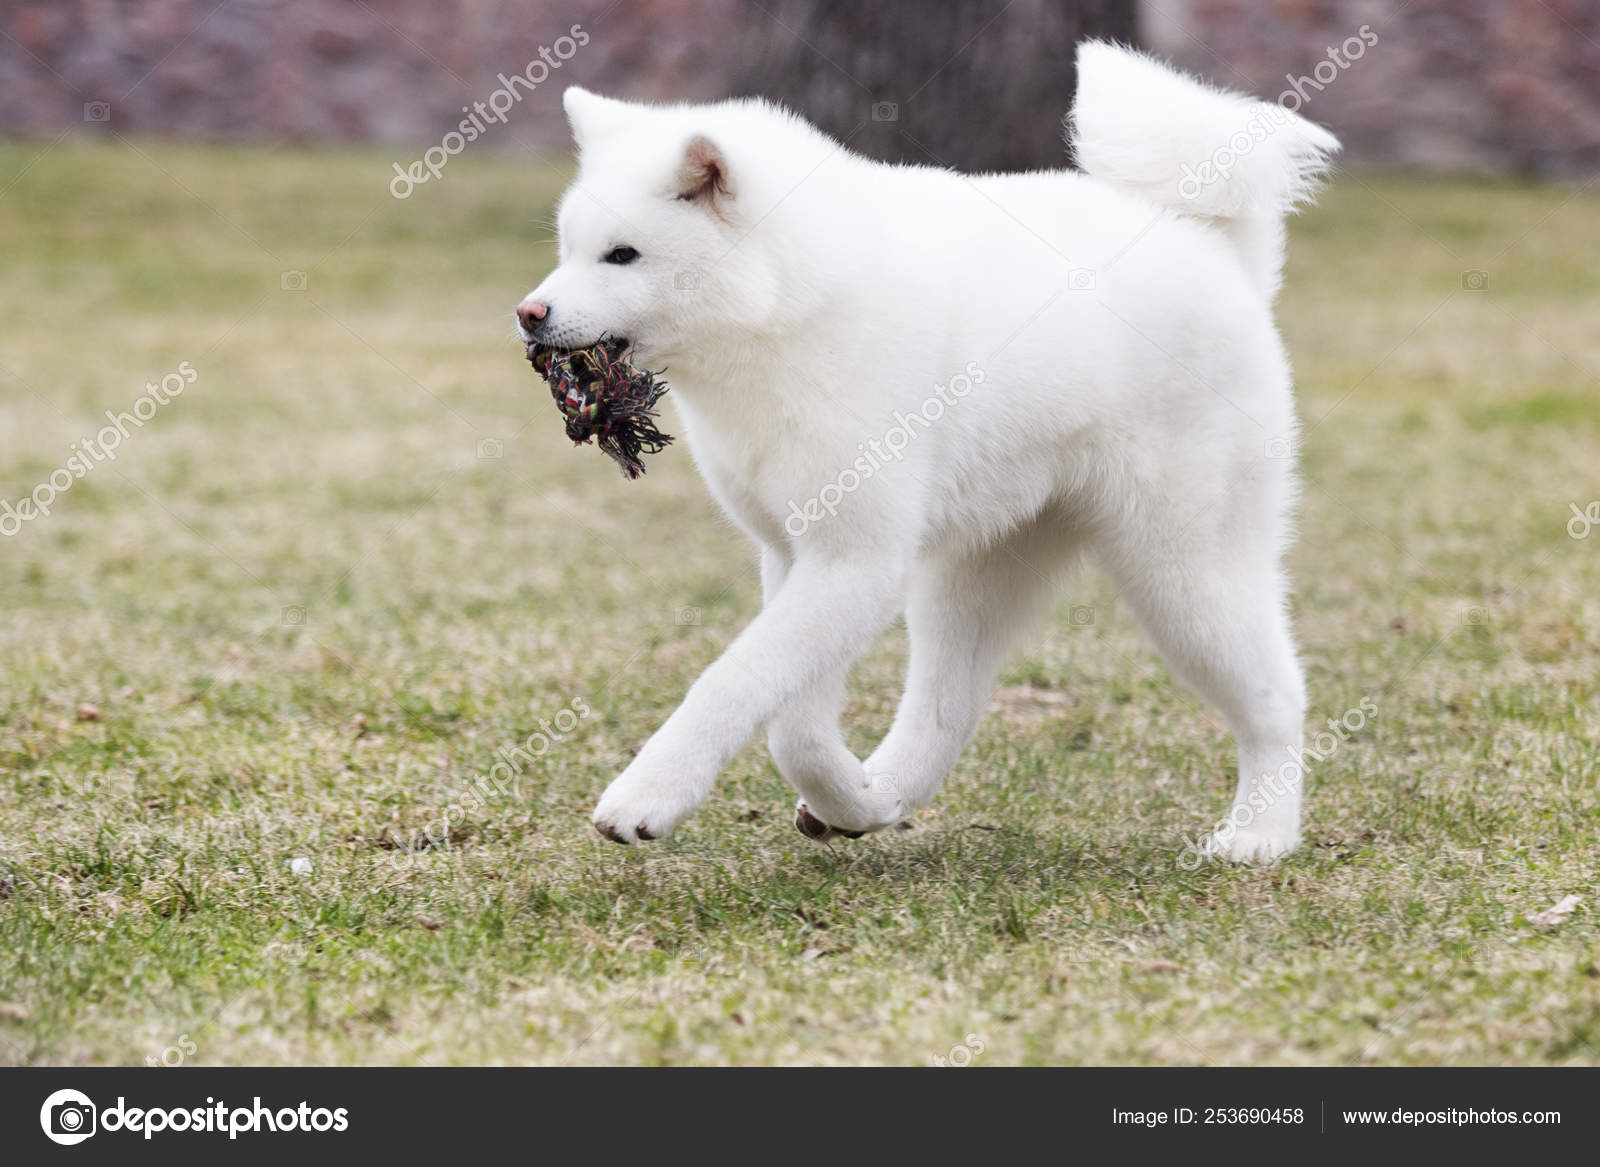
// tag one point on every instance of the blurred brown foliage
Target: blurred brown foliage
(1477, 85)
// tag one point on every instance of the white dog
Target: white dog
(925, 392)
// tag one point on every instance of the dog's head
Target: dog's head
(658, 239)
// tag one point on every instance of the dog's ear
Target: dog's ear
(703, 173)
(589, 114)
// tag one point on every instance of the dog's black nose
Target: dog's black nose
(532, 313)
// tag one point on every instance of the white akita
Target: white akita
(925, 392)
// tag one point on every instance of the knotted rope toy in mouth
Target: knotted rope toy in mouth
(604, 396)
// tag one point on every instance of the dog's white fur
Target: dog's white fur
(1130, 396)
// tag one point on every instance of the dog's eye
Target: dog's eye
(621, 255)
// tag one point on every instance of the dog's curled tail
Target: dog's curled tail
(1208, 153)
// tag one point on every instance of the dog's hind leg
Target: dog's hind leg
(1212, 598)
(964, 616)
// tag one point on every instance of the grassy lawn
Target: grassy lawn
(315, 594)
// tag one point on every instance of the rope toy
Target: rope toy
(605, 397)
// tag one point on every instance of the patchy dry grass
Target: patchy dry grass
(306, 612)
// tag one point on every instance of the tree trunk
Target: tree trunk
(972, 84)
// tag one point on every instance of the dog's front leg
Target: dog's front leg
(827, 609)
(804, 736)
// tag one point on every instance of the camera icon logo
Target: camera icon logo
(1081, 279)
(490, 449)
(687, 617)
(1475, 617)
(885, 111)
(97, 111)
(292, 281)
(1081, 616)
(1278, 448)
(68, 1117)
(292, 616)
(1475, 280)
(687, 281)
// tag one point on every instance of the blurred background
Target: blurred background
(1488, 86)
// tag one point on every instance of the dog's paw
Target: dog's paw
(871, 803)
(635, 809)
(608, 827)
(812, 827)
(1248, 845)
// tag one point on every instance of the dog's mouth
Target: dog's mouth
(537, 348)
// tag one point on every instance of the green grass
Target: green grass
(326, 459)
